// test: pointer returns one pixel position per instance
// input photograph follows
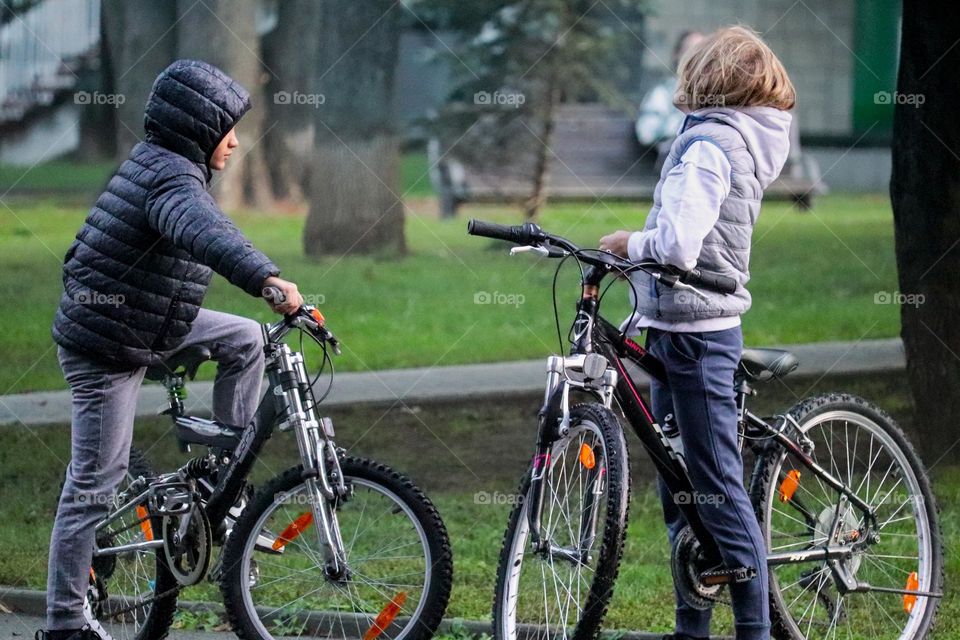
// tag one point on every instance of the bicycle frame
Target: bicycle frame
(285, 406)
(593, 336)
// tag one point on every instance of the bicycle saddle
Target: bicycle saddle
(756, 363)
(189, 358)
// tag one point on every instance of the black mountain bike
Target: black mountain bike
(336, 546)
(845, 505)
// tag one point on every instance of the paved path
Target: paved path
(426, 384)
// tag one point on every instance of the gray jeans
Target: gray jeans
(104, 405)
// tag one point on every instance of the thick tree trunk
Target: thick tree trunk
(141, 42)
(288, 140)
(223, 33)
(353, 186)
(925, 192)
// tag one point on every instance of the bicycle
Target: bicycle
(844, 503)
(335, 545)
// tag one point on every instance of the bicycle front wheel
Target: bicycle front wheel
(399, 567)
(863, 448)
(562, 590)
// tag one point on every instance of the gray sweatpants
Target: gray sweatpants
(104, 405)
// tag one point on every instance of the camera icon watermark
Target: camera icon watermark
(497, 297)
(97, 298)
(899, 298)
(697, 498)
(887, 97)
(513, 99)
(497, 498)
(97, 98)
(315, 100)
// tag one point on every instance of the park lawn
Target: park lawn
(468, 457)
(815, 277)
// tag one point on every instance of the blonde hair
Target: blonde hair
(733, 67)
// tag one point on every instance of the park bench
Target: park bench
(593, 154)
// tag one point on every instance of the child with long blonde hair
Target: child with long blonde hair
(732, 144)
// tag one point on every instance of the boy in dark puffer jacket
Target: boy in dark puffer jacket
(134, 280)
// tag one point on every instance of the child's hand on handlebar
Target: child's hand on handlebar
(292, 300)
(616, 243)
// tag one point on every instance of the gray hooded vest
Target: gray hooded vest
(726, 249)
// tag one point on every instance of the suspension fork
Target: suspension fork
(290, 385)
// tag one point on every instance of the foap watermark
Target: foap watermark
(899, 298)
(315, 100)
(700, 101)
(497, 498)
(498, 297)
(97, 98)
(314, 299)
(513, 99)
(695, 497)
(911, 99)
(95, 297)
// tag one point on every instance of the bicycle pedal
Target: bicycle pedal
(726, 576)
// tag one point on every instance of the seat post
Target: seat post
(176, 394)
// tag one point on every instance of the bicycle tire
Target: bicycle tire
(243, 616)
(767, 469)
(156, 625)
(610, 553)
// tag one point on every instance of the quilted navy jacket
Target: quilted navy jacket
(136, 275)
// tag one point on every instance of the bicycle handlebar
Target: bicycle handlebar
(532, 235)
(306, 316)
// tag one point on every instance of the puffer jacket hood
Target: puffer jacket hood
(766, 131)
(191, 107)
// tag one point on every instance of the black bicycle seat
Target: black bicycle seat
(756, 364)
(189, 358)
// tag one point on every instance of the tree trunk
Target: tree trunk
(353, 186)
(141, 43)
(223, 33)
(541, 170)
(288, 141)
(925, 192)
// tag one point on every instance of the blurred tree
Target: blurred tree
(139, 42)
(290, 50)
(925, 192)
(515, 61)
(354, 172)
(223, 33)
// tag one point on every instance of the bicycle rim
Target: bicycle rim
(866, 457)
(389, 562)
(545, 595)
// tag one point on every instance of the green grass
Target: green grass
(453, 452)
(815, 276)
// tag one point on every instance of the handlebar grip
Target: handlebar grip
(273, 295)
(518, 234)
(712, 281)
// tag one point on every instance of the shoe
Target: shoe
(86, 633)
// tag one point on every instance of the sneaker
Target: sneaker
(86, 633)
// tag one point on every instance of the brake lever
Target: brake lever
(546, 252)
(683, 286)
(529, 248)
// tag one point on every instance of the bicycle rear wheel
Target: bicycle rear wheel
(399, 566)
(864, 448)
(122, 598)
(563, 592)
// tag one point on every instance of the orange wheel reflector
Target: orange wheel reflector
(293, 530)
(789, 485)
(142, 515)
(315, 313)
(913, 583)
(587, 459)
(386, 616)
(93, 575)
